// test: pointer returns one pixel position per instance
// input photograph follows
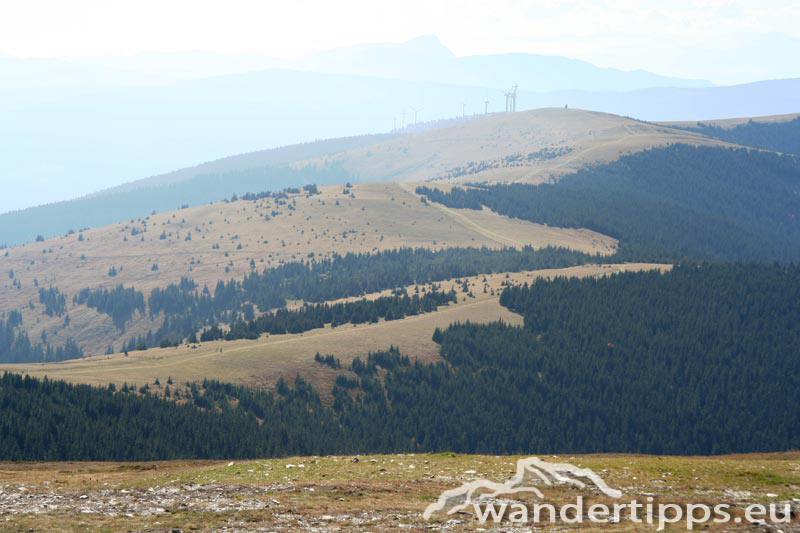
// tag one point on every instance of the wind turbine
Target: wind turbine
(511, 99)
(415, 110)
(514, 98)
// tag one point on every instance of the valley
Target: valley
(260, 363)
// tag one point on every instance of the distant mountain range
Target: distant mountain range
(72, 127)
(426, 60)
(771, 97)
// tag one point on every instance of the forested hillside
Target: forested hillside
(285, 321)
(776, 136)
(191, 311)
(16, 346)
(58, 421)
(674, 363)
(188, 309)
(666, 203)
(694, 361)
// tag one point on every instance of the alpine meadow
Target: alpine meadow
(521, 275)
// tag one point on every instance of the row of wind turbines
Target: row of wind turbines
(511, 106)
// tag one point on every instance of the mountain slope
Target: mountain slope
(263, 170)
(528, 146)
(271, 158)
(228, 240)
(777, 133)
(76, 146)
(261, 362)
(704, 202)
(669, 363)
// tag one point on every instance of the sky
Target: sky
(725, 41)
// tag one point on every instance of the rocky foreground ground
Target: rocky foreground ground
(371, 493)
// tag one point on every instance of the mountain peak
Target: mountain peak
(428, 44)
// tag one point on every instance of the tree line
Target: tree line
(16, 346)
(54, 301)
(315, 316)
(53, 420)
(188, 310)
(674, 363)
(777, 136)
(666, 203)
(119, 303)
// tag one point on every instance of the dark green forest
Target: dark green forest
(699, 360)
(777, 136)
(53, 420)
(696, 361)
(119, 303)
(314, 316)
(188, 310)
(54, 301)
(663, 204)
(666, 203)
(16, 346)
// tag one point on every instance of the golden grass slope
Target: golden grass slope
(227, 240)
(261, 362)
(580, 137)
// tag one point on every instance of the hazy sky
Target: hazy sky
(726, 41)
